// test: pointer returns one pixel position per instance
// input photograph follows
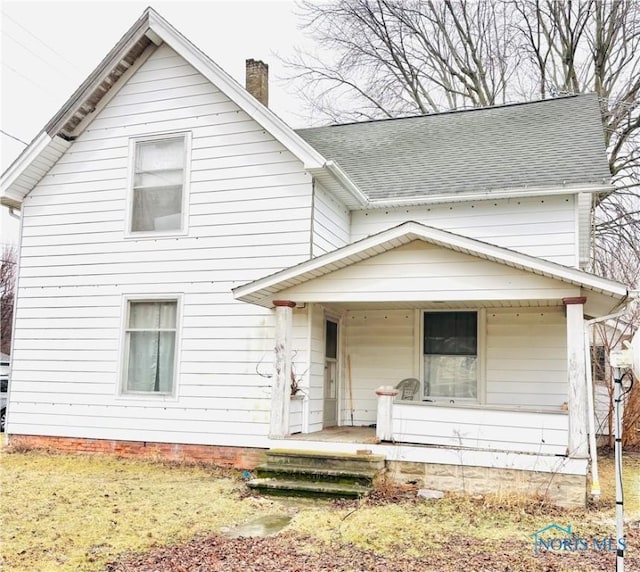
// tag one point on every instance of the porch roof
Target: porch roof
(264, 290)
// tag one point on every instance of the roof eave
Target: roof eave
(253, 292)
(491, 194)
(115, 56)
(355, 198)
(10, 176)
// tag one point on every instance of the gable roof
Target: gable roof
(462, 155)
(555, 143)
(148, 31)
(263, 290)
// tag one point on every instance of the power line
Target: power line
(48, 63)
(14, 70)
(40, 40)
(13, 137)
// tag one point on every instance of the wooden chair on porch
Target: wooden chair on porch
(408, 389)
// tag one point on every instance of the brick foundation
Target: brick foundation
(563, 490)
(230, 457)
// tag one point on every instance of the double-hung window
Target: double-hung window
(159, 184)
(450, 355)
(150, 346)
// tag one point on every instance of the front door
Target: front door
(330, 417)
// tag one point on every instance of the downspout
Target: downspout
(16, 286)
(312, 228)
(591, 413)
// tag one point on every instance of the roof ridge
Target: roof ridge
(453, 111)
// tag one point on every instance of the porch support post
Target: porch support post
(384, 419)
(576, 369)
(281, 390)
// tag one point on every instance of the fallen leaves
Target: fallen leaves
(292, 553)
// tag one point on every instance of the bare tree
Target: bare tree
(7, 294)
(400, 58)
(594, 46)
(619, 264)
(388, 58)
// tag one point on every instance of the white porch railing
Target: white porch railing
(475, 427)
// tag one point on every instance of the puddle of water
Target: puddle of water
(264, 526)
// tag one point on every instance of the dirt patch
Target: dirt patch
(291, 553)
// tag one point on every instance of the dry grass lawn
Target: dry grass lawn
(78, 513)
(64, 512)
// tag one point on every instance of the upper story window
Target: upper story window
(159, 184)
(451, 355)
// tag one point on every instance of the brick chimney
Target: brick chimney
(257, 80)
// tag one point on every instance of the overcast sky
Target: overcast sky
(48, 49)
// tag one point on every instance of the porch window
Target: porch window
(158, 188)
(150, 347)
(451, 355)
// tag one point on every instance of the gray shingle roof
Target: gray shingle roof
(539, 144)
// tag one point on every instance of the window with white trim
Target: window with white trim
(150, 346)
(450, 348)
(158, 185)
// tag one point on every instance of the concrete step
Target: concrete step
(321, 460)
(288, 472)
(291, 488)
(308, 473)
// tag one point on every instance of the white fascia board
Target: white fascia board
(22, 163)
(412, 231)
(523, 261)
(313, 264)
(339, 174)
(214, 73)
(490, 194)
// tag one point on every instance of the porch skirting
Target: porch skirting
(560, 489)
(221, 456)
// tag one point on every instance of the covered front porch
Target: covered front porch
(494, 339)
(511, 393)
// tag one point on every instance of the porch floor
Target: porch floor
(344, 434)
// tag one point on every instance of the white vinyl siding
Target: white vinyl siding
(250, 204)
(422, 271)
(381, 347)
(495, 429)
(584, 230)
(527, 357)
(542, 227)
(331, 221)
(316, 367)
(523, 349)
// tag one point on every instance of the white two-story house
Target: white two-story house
(186, 258)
